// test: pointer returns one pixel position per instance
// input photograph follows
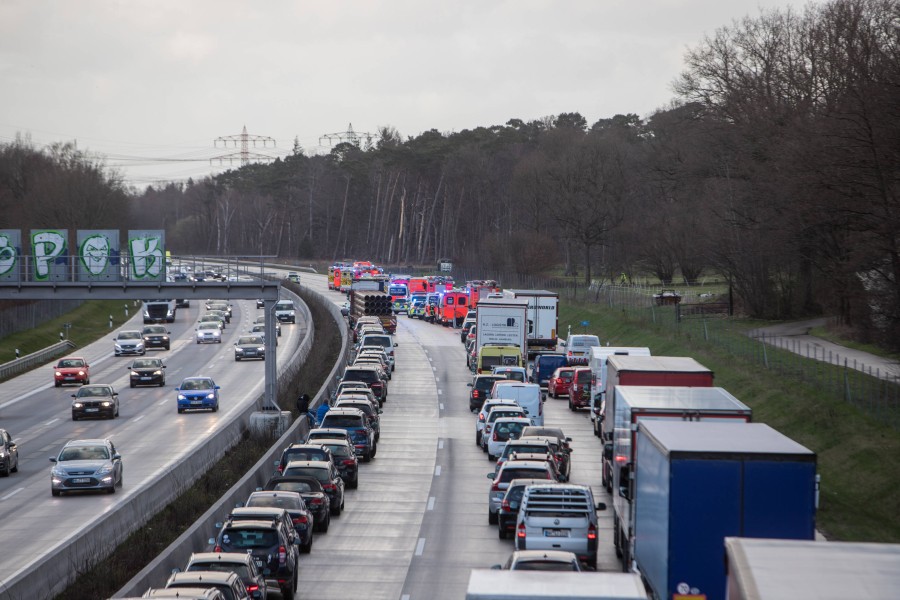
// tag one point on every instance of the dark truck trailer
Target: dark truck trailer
(697, 483)
(159, 311)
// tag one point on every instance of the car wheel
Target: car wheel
(74, 417)
(180, 410)
(477, 437)
(131, 384)
(55, 492)
(87, 382)
(374, 450)
(219, 341)
(354, 484)
(15, 469)
(215, 408)
(6, 471)
(167, 346)
(335, 510)
(236, 359)
(492, 518)
(367, 457)
(501, 533)
(288, 591)
(112, 489)
(57, 384)
(307, 548)
(571, 406)
(162, 383)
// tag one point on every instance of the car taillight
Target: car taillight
(316, 501)
(218, 549)
(520, 531)
(620, 458)
(252, 588)
(348, 461)
(280, 469)
(592, 532)
(475, 393)
(504, 506)
(282, 554)
(299, 520)
(496, 437)
(496, 487)
(329, 487)
(481, 417)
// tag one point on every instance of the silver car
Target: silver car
(129, 341)
(90, 464)
(209, 333)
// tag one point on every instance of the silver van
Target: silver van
(559, 516)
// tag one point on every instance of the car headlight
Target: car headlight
(260, 348)
(238, 350)
(165, 338)
(182, 397)
(157, 372)
(77, 405)
(81, 373)
(2, 454)
(58, 472)
(118, 346)
(106, 404)
(210, 396)
(58, 374)
(104, 470)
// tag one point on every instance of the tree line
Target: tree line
(774, 165)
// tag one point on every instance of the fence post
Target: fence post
(765, 354)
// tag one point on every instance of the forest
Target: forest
(775, 165)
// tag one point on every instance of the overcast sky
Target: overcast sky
(143, 82)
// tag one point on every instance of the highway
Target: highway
(149, 433)
(418, 522)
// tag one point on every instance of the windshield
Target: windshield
(341, 421)
(84, 453)
(507, 475)
(304, 454)
(284, 305)
(583, 377)
(71, 363)
(220, 566)
(196, 384)
(364, 375)
(321, 475)
(545, 565)
(483, 384)
(248, 538)
(129, 335)
(301, 487)
(271, 501)
(339, 450)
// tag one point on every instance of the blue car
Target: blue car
(198, 393)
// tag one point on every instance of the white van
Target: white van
(284, 311)
(526, 395)
(597, 363)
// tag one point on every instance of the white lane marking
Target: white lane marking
(17, 490)
(437, 378)
(430, 503)
(430, 359)
(51, 421)
(440, 392)
(434, 369)
(163, 402)
(437, 471)
(440, 444)
(138, 418)
(404, 597)
(442, 405)
(420, 547)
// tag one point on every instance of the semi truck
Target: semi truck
(159, 311)
(695, 484)
(497, 584)
(543, 318)
(501, 321)
(636, 404)
(766, 569)
(642, 370)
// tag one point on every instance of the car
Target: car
(197, 393)
(509, 505)
(261, 320)
(344, 456)
(182, 302)
(129, 341)
(285, 312)
(345, 309)
(9, 454)
(481, 387)
(357, 425)
(312, 492)
(293, 503)
(212, 318)
(209, 333)
(293, 276)
(503, 430)
(541, 560)
(370, 376)
(483, 413)
(249, 346)
(519, 469)
(260, 330)
(265, 513)
(147, 371)
(514, 373)
(156, 336)
(326, 474)
(562, 453)
(464, 332)
(383, 341)
(545, 365)
(269, 542)
(221, 314)
(498, 412)
(526, 446)
(260, 303)
(192, 593)
(578, 348)
(374, 361)
(95, 400)
(327, 433)
(580, 388)
(220, 305)
(559, 516)
(229, 584)
(90, 464)
(354, 387)
(371, 410)
(560, 382)
(72, 369)
(239, 563)
(302, 452)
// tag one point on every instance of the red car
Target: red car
(72, 369)
(560, 382)
(580, 390)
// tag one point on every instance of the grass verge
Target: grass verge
(857, 454)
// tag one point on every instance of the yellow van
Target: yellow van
(496, 355)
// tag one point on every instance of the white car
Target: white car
(483, 413)
(209, 332)
(503, 430)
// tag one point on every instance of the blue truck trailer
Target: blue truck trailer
(696, 483)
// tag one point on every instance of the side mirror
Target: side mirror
(601, 506)
(395, 344)
(489, 475)
(53, 459)
(607, 451)
(175, 570)
(497, 567)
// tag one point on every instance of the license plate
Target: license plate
(556, 533)
(259, 562)
(92, 410)
(81, 480)
(146, 378)
(196, 401)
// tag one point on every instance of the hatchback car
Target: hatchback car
(213, 318)
(513, 470)
(345, 460)
(309, 488)
(371, 410)
(293, 503)
(91, 464)
(9, 454)
(249, 346)
(560, 382)
(371, 376)
(324, 433)
(260, 330)
(95, 400)
(209, 333)
(72, 369)
(302, 452)
(156, 336)
(357, 425)
(261, 320)
(129, 341)
(229, 584)
(147, 371)
(578, 348)
(239, 563)
(514, 373)
(481, 387)
(541, 560)
(270, 545)
(495, 413)
(326, 474)
(220, 305)
(503, 430)
(483, 413)
(509, 505)
(198, 393)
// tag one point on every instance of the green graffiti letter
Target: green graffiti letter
(46, 246)
(146, 257)
(8, 255)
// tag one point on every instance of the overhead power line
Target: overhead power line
(245, 156)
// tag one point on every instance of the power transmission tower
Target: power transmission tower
(349, 136)
(244, 155)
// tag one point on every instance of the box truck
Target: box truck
(636, 404)
(766, 569)
(597, 363)
(494, 584)
(501, 321)
(543, 317)
(695, 484)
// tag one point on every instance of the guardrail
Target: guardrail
(58, 568)
(35, 359)
(196, 538)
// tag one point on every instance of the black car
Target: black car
(309, 488)
(481, 388)
(95, 400)
(249, 346)
(260, 303)
(147, 371)
(371, 376)
(344, 457)
(241, 564)
(509, 506)
(156, 336)
(9, 454)
(269, 542)
(301, 518)
(326, 474)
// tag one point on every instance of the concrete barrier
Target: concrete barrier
(60, 566)
(196, 538)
